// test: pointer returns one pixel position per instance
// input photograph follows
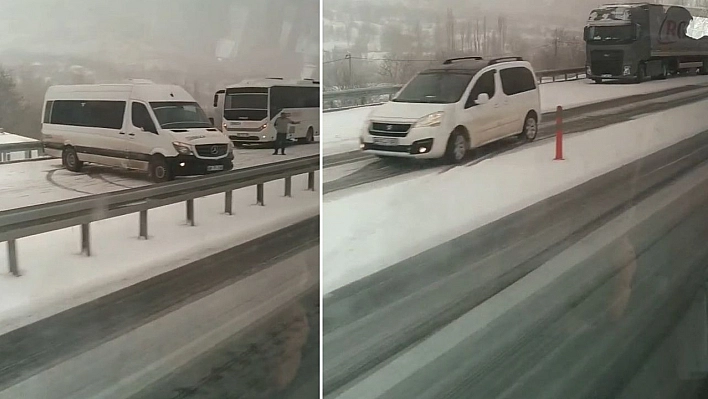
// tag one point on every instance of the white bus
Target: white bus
(158, 129)
(245, 112)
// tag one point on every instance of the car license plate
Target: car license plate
(214, 168)
(387, 141)
(241, 134)
(607, 75)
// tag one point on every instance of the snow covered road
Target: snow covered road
(341, 129)
(386, 227)
(43, 181)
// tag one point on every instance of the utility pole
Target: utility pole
(555, 51)
(349, 79)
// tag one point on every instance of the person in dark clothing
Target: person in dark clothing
(282, 124)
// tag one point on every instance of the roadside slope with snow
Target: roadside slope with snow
(57, 277)
(341, 129)
(368, 231)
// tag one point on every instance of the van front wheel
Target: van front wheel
(457, 148)
(70, 159)
(159, 170)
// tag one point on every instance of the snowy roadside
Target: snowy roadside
(368, 231)
(43, 181)
(342, 128)
(56, 277)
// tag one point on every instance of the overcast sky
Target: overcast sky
(134, 29)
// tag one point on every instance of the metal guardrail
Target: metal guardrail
(38, 219)
(6, 150)
(362, 97)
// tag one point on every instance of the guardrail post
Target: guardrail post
(229, 203)
(85, 239)
(190, 212)
(311, 181)
(12, 258)
(144, 224)
(288, 186)
(259, 195)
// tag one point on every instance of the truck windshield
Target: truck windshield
(435, 87)
(180, 115)
(611, 34)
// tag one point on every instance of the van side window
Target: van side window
(88, 113)
(141, 117)
(485, 84)
(517, 80)
(48, 111)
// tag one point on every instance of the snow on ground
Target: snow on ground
(368, 231)
(9, 138)
(341, 129)
(43, 181)
(57, 277)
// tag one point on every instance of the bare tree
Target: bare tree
(397, 69)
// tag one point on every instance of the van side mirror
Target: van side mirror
(211, 120)
(482, 99)
(146, 126)
(216, 97)
(586, 33)
(637, 32)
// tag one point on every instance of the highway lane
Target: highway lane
(371, 321)
(576, 120)
(78, 339)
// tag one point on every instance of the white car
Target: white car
(159, 129)
(463, 104)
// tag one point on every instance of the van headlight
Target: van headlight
(432, 120)
(182, 148)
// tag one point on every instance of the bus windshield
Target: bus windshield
(246, 103)
(180, 115)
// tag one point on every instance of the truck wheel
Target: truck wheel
(597, 81)
(641, 73)
(664, 72)
(70, 159)
(159, 170)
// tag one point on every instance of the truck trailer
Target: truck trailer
(642, 40)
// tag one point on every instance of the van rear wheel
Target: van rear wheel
(70, 159)
(159, 170)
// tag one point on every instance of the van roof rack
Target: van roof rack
(504, 59)
(451, 60)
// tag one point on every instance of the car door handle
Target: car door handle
(121, 133)
(131, 134)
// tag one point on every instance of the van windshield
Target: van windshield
(180, 115)
(435, 87)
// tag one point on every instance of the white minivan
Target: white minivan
(159, 129)
(465, 103)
